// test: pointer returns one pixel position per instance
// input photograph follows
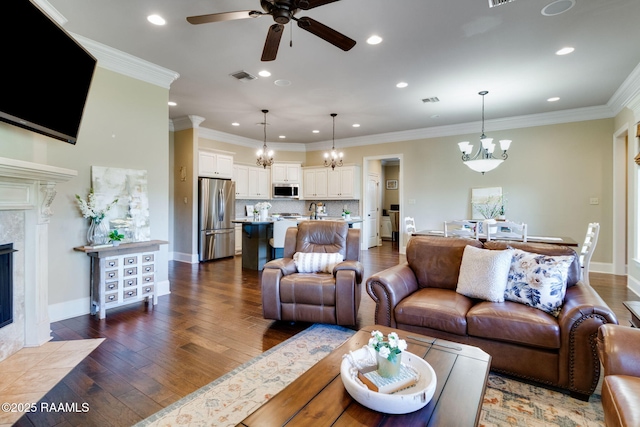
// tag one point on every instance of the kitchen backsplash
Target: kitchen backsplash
(334, 207)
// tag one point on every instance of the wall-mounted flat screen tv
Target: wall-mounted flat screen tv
(45, 74)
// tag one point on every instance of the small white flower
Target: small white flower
(402, 345)
(377, 335)
(384, 352)
(393, 342)
(373, 342)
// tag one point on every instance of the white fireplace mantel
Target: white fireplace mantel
(30, 187)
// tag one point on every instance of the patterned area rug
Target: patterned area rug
(509, 402)
(231, 398)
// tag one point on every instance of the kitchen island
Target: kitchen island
(256, 251)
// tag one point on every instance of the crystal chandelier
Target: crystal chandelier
(336, 158)
(483, 160)
(265, 156)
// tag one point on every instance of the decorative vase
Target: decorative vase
(98, 233)
(388, 368)
(347, 217)
(264, 214)
(116, 243)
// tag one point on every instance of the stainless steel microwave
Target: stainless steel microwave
(289, 191)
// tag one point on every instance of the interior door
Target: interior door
(372, 229)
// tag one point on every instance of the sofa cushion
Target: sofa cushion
(483, 273)
(574, 273)
(539, 281)
(514, 323)
(308, 288)
(434, 308)
(315, 262)
(436, 261)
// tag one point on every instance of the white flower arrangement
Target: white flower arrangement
(262, 205)
(88, 207)
(387, 349)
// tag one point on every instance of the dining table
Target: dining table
(554, 240)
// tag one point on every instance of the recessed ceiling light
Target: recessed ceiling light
(402, 85)
(172, 104)
(565, 51)
(264, 73)
(282, 82)
(235, 124)
(557, 7)
(315, 131)
(156, 19)
(554, 99)
(282, 137)
(374, 39)
(356, 125)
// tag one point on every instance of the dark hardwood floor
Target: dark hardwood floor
(209, 324)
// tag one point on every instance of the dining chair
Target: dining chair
(505, 230)
(461, 228)
(589, 245)
(395, 227)
(409, 226)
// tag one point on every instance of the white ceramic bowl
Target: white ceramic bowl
(401, 402)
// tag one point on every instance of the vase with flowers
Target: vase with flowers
(98, 233)
(263, 208)
(388, 353)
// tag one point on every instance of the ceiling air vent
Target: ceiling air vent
(432, 99)
(243, 76)
(494, 3)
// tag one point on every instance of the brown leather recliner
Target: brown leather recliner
(619, 350)
(315, 297)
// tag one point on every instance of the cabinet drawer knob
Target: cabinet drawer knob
(129, 271)
(112, 274)
(130, 293)
(129, 282)
(112, 286)
(147, 279)
(130, 261)
(147, 269)
(112, 297)
(147, 290)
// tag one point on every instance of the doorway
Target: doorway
(375, 203)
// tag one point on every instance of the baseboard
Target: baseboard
(68, 309)
(80, 307)
(182, 257)
(633, 285)
(601, 267)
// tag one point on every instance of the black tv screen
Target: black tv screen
(45, 74)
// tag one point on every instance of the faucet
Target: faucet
(314, 213)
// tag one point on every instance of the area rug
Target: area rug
(231, 398)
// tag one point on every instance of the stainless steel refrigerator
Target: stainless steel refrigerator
(217, 208)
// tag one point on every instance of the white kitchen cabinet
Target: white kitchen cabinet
(286, 173)
(252, 182)
(315, 183)
(215, 165)
(344, 183)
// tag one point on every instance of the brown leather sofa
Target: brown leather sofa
(525, 342)
(315, 297)
(619, 350)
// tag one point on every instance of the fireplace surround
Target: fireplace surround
(26, 192)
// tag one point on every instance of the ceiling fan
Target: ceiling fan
(282, 12)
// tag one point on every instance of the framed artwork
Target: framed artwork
(130, 216)
(392, 184)
(487, 202)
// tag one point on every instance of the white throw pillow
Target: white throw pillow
(539, 281)
(483, 273)
(316, 262)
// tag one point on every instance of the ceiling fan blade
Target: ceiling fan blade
(332, 36)
(272, 43)
(310, 4)
(225, 16)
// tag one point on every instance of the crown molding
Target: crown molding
(247, 142)
(51, 11)
(128, 65)
(627, 93)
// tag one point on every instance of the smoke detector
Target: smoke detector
(243, 76)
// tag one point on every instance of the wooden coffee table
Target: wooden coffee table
(319, 398)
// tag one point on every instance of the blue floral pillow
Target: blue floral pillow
(538, 281)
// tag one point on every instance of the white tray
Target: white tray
(401, 402)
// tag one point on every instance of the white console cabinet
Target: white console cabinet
(122, 274)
